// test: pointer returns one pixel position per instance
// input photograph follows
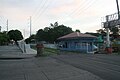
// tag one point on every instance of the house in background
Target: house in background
(77, 42)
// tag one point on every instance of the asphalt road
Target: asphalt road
(105, 66)
(15, 65)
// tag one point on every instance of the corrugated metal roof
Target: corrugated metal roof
(76, 35)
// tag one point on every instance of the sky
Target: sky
(85, 15)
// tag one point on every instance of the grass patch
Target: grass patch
(119, 53)
(51, 51)
(47, 51)
(70, 52)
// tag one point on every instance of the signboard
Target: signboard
(111, 24)
(112, 21)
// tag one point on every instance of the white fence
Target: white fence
(25, 47)
(54, 46)
(22, 45)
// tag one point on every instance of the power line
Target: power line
(43, 10)
(77, 11)
(2, 20)
(7, 25)
(83, 8)
(86, 7)
(30, 25)
(37, 8)
(40, 12)
(80, 7)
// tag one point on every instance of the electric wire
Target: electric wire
(38, 7)
(42, 12)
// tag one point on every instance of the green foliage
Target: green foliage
(31, 39)
(102, 32)
(40, 36)
(94, 34)
(4, 39)
(114, 30)
(47, 51)
(15, 35)
(50, 34)
(77, 30)
(54, 25)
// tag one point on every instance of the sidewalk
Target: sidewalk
(12, 51)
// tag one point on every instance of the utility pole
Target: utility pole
(0, 28)
(7, 25)
(109, 24)
(30, 25)
(118, 9)
(24, 33)
(108, 34)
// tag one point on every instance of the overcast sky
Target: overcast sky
(85, 15)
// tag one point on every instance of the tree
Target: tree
(31, 39)
(46, 29)
(115, 32)
(54, 25)
(57, 32)
(15, 35)
(77, 30)
(4, 39)
(94, 34)
(50, 34)
(51, 25)
(101, 32)
(40, 35)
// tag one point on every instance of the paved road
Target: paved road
(102, 65)
(43, 68)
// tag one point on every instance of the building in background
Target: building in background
(77, 42)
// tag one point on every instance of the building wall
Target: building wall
(82, 45)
